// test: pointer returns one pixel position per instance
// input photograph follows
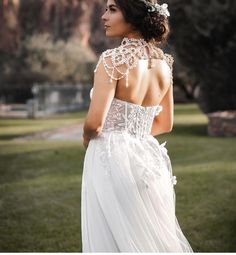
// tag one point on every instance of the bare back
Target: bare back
(146, 86)
(142, 71)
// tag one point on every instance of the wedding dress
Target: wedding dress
(128, 198)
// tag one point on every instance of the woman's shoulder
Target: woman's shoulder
(160, 54)
(119, 60)
(169, 60)
(114, 54)
(113, 61)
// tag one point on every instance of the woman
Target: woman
(128, 199)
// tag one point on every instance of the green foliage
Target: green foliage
(204, 38)
(59, 60)
(40, 59)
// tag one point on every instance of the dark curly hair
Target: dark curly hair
(151, 25)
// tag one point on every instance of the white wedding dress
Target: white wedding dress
(128, 198)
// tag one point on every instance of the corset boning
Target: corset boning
(131, 118)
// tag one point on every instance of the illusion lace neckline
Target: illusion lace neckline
(134, 41)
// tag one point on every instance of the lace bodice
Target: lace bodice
(131, 118)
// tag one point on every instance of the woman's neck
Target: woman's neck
(133, 36)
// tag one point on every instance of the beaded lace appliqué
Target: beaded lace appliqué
(135, 120)
(119, 61)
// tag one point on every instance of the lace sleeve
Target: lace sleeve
(115, 64)
(170, 60)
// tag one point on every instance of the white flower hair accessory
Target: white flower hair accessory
(162, 9)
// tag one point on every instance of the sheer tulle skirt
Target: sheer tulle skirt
(128, 200)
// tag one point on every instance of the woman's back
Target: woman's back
(142, 71)
(146, 86)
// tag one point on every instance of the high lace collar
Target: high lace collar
(134, 41)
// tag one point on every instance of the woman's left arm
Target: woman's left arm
(102, 96)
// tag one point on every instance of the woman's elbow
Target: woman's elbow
(158, 128)
(169, 128)
(92, 128)
(166, 130)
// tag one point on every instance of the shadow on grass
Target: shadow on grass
(13, 136)
(189, 130)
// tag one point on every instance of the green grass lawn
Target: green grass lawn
(40, 185)
(11, 128)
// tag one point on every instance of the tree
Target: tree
(204, 39)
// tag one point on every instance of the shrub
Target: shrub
(59, 61)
